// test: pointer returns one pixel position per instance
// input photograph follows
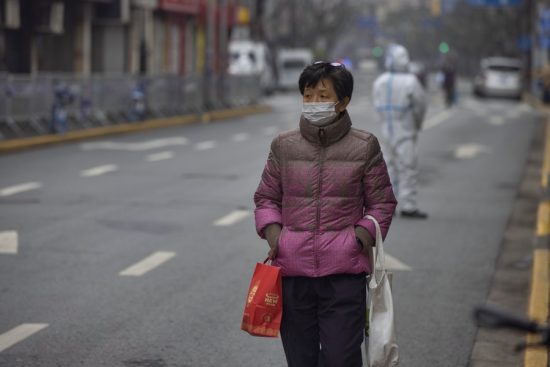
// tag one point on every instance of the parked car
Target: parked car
(290, 64)
(499, 77)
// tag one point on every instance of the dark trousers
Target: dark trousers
(324, 320)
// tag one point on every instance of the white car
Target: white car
(290, 64)
(499, 77)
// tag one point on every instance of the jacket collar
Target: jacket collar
(326, 135)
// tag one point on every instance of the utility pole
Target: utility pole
(209, 62)
(526, 34)
(222, 52)
(293, 26)
(258, 20)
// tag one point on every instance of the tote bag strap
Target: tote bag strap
(379, 259)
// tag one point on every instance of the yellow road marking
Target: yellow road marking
(25, 143)
(538, 305)
(543, 219)
(540, 279)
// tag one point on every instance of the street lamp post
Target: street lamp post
(209, 59)
(222, 52)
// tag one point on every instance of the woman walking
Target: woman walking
(319, 183)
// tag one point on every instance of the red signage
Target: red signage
(180, 6)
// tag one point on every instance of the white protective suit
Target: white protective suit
(401, 104)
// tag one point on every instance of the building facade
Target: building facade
(110, 36)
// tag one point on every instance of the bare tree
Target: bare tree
(472, 32)
(316, 24)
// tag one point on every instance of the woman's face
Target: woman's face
(324, 92)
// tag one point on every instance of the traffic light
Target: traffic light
(377, 51)
(444, 47)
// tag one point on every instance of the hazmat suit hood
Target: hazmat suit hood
(397, 59)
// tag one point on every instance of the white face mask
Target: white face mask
(320, 113)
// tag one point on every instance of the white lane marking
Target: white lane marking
(148, 264)
(393, 263)
(270, 130)
(135, 147)
(99, 170)
(160, 156)
(205, 145)
(437, 119)
(238, 138)
(27, 186)
(496, 120)
(468, 151)
(232, 218)
(19, 334)
(8, 242)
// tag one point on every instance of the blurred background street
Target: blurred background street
(167, 190)
(137, 249)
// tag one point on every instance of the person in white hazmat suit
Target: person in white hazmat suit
(400, 102)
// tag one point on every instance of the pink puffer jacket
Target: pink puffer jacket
(319, 183)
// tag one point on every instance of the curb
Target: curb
(539, 297)
(14, 145)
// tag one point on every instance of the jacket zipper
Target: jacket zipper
(319, 189)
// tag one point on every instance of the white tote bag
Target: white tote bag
(381, 347)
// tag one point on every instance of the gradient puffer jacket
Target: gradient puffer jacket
(319, 183)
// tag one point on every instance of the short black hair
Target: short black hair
(340, 77)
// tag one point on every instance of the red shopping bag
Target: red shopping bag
(264, 305)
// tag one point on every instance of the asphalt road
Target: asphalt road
(86, 213)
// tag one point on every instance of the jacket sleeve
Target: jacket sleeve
(379, 200)
(268, 196)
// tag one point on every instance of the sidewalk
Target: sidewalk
(521, 282)
(12, 145)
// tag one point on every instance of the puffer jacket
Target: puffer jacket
(319, 183)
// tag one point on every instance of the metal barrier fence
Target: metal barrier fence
(49, 103)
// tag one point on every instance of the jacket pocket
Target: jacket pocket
(290, 244)
(339, 250)
(356, 248)
(295, 256)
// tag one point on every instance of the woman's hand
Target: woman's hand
(365, 240)
(272, 233)
(272, 253)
